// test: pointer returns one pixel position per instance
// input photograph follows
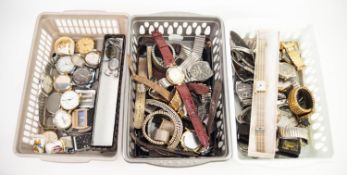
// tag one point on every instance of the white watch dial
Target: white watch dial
(64, 65)
(62, 119)
(92, 58)
(47, 84)
(69, 100)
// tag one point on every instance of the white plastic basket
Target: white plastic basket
(320, 143)
(50, 26)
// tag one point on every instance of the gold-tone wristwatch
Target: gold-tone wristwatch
(301, 101)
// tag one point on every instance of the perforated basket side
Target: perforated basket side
(185, 26)
(50, 26)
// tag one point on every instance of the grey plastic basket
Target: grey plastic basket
(50, 26)
(185, 24)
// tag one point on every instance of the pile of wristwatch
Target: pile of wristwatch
(67, 97)
(295, 101)
(176, 97)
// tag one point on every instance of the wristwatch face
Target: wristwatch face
(190, 141)
(64, 65)
(53, 102)
(85, 45)
(199, 71)
(80, 119)
(82, 76)
(62, 119)
(175, 75)
(69, 100)
(64, 46)
(47, 84)
(78, 60)
(92, 59)
(62, 83)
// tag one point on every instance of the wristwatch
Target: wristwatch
(301, 101)
(85, 45)
(159, 62)
(78, 60)
(53, 102)
(64, 65)
(47, 84)
(80, 119)
(190, 142)
(93, 59)
(64, 46)
(159, 113)
(292, 49)
(140, 95)
(62, 119)
(69, 100)
(62, 83)
(83, 76)
(176, 76)
(175, 118)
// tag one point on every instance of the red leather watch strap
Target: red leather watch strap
(198, 88)
(193, 115)
(164, 48)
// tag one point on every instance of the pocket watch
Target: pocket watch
(64, 46)
(82, 76)
(62, 83)
(69, 100)
(93, 59)
(85, 45)
(47, 84)
(62, 119)
(78, 60)
(64, 65)
(53, 102)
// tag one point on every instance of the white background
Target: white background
(329, 19)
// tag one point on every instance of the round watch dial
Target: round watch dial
(175, 75)
(85, 45)
(78, 60)
(62, 83)
(69, 100)
(93, 59)
(64, 65)
(62, 119)
(47, 84)
(53, 102)
(64, 46)
(82, 76)
(190, 141)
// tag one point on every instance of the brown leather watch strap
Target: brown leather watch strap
(156, 87)
(198, 88)
(164, 48)
(193, 115)
(217, 91)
